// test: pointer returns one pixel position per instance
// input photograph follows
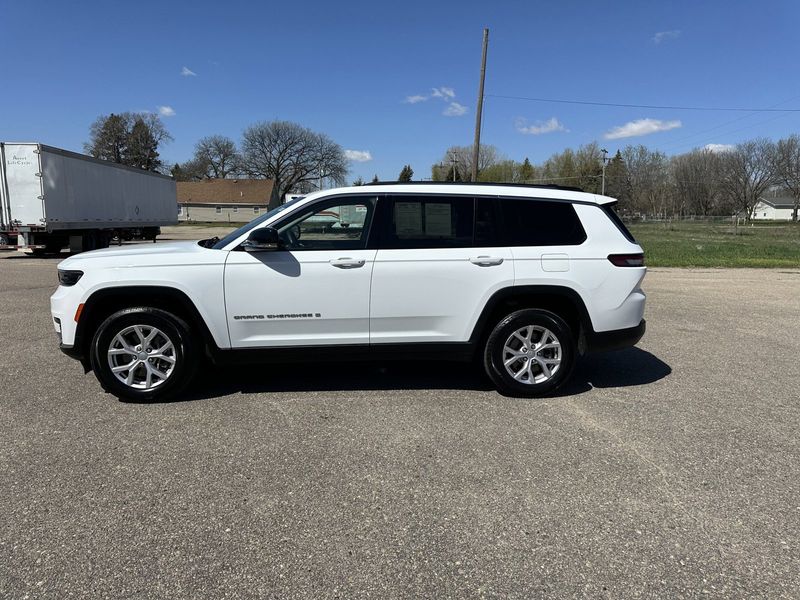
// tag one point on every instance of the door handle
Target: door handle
(348, 263)
(486, 261)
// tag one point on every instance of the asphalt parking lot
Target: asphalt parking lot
(669, 470)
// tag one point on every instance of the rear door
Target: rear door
(438, 262)
(24, 184)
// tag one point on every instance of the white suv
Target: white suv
(522, 278)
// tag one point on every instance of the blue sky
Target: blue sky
(348, 69)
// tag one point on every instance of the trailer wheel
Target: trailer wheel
(54, 245)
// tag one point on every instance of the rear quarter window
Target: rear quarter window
(541, 223)
(612, 214)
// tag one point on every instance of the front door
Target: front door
(312, 291)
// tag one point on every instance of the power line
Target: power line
(649, 106)
(678, 143)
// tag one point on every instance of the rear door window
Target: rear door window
(429, 222)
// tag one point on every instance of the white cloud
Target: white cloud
(641, 127)
(454, 109)
(552, 124)
(187, 72)
(445, 93)
(716, 148)
(666, 35)
(166, 111)
(358, 155)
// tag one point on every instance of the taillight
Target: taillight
(627, 260)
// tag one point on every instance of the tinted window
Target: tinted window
(487, 227)
(612, 214)
(541, 223)
(429, 222)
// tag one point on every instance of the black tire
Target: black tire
(54, 245)
(183, 352)
(538, 320)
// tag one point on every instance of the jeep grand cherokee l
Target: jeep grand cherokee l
(522, 279)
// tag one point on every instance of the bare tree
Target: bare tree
(216, 157)
(747, 172)
(647, 180)
(292, 156)
(787, 168)
(696, 175)
(459, 159)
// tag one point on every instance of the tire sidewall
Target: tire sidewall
(172, 326)
(494, 352)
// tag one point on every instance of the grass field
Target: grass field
(696, 244)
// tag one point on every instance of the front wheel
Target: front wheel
(530, 353)
(143, 354)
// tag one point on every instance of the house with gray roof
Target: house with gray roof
(773, 208)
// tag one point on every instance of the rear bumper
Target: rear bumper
(600, 341)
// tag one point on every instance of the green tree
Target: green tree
(375, 179)
(617, 180)
(129, 139)
(358, 182)
(502, 171)
(526, 171)
(142, 151)
(406, 174)
(108, 138)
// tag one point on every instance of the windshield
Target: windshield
(219, 245)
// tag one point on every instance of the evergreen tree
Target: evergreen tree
(109, 138)
(142, 150)
(129, 139)
(617, 179)
(375, 179)
(178, 173)
(406, 174)
(526, 171)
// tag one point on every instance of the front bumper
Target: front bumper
(71, 351)
(601, 341)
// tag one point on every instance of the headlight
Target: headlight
(68, 278)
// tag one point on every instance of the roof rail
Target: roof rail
(548, 186)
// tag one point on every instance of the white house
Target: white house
(770, 208)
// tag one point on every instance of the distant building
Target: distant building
(224, 200)
(773, 208)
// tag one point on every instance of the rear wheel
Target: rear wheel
(143, 354)
(530, 353)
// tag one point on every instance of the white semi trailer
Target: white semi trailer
(52, 198)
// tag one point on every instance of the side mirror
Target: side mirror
(263, 239)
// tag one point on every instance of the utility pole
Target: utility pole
(605, 154)
(476, 149)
